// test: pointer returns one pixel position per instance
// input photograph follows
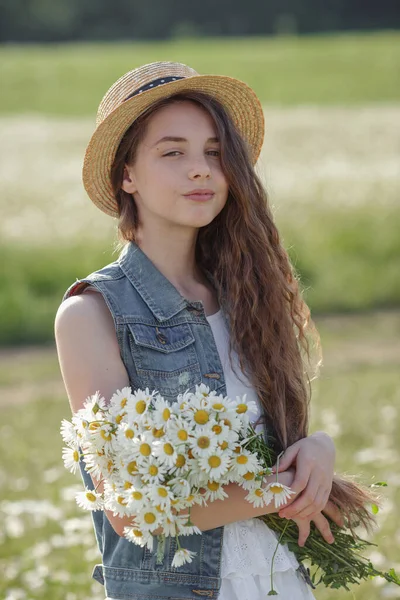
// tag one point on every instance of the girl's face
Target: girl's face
(179, 154)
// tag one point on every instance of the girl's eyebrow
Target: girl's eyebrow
(172, 138)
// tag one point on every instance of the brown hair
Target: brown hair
(270, 325)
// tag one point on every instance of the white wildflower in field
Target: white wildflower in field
(157, 460)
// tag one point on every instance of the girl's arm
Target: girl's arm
(90, 360)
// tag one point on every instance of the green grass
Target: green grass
(319, 69)
(347, 260)
(47, 551)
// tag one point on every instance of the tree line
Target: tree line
(73, 20)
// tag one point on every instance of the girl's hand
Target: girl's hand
(314, 458)
(321, 523)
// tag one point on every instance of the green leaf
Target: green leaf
(375, 509)
(379, 484)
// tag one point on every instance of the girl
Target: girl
(202, 292)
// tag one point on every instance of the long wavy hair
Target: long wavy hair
(271, 328)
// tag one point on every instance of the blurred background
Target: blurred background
(328, 75)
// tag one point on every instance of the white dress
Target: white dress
(248, 546)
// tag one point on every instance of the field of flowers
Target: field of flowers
(331, 165)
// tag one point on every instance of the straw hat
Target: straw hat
(136, 91)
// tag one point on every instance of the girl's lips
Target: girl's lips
(201, 197)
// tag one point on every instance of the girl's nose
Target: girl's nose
(199, 169)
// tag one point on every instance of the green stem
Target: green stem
(272, 592)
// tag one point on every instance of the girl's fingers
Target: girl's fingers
(287, 459)
(316, 507)
(333, 512)
(322, 525)
(304, 530)
(304, 501)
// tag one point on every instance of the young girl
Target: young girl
(202, 292)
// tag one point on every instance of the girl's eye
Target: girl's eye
(174, 152)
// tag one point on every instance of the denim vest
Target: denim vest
(166, 343)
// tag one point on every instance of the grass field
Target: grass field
(47, 547)
(320, 69)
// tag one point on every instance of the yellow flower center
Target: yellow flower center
(162, 492)
(217, 429)
(153, 470)
(94, 426)
(241, 408)
(149, 517)
(106, 436)
(223, 445)
(213, 486)
(121, 501)
(228, 423)
(158, 432)
(127, 485)
(91, 497)
(76, 456)
(190, 498)
(242, 459)
(119, 418)
(166, 414)
(140, 407)
(159, 509)
(248, 476)
(218, 406)
(214, 461)
(129, 433)
(203, 441)
(238, 449)
(123, 402)
(145, 449)
(259, 492)
(137, 495)
(168, 449)
(132, 467)
(180, 461)
(275, 489)
(137, 533)
(201, 416)
(182, 435)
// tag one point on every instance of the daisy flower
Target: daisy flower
(259, 497)
(137, 499)
(204, 390)
(198, 412)
(89, 500)
(117, 502)
(165, 452)
(214, 491)
(178, 431)
(180, 487)
(151, 471)
(138, 404)
(102, 436)
(182, 465)
(278, 492)
(140, 447)
(221, 404)
(119, 401)
(68, 433)
(148, 518)
(161, 495)
(162, 412)
(139, 537)
(183, 527)
(182, 556)
(244, 461)
(70, 457)
(203, 441)
(215, 464)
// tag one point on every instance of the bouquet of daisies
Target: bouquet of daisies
(156, 459)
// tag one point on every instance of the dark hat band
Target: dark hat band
(153, 84)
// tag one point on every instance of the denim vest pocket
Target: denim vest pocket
(165, 357)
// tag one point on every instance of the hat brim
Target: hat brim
(240, 101)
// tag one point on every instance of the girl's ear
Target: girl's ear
(128, 180)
